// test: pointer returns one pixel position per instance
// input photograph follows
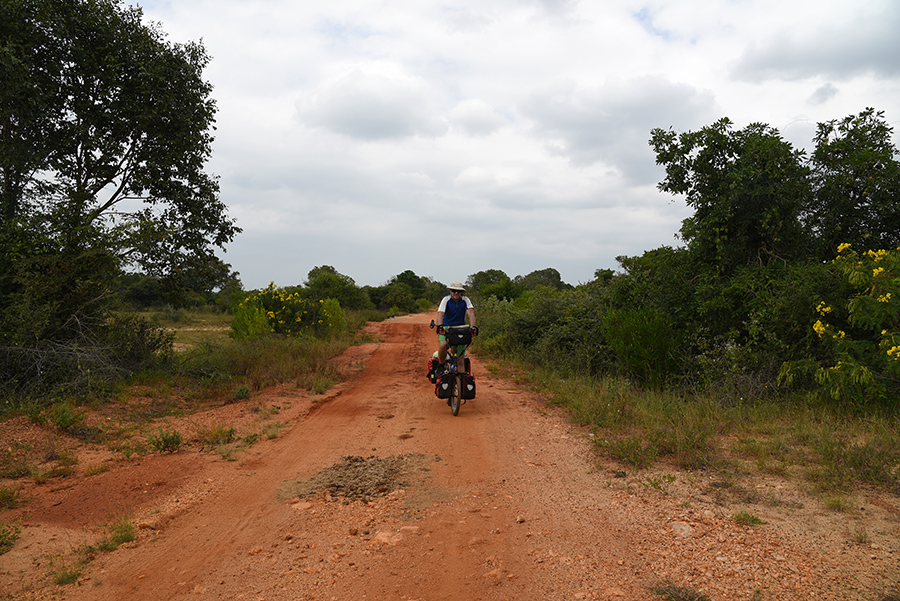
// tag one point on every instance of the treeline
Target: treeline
(789, 275)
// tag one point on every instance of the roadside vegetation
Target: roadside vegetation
(772, 337)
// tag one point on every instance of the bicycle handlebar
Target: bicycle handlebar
(441, 328)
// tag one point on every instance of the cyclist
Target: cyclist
(453, 310)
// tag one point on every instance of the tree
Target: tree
(548, 277)
(747, 188)
(105, 128)
(325, 282)
(492, 282)
(856, 177)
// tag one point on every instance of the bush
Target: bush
(280, 311)
(644, 342)
(864, 364)
(9, 534)
(165, 442)
(90, 363)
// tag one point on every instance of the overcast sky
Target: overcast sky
(448, 138)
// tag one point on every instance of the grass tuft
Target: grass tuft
(671, 592)
(747, 519)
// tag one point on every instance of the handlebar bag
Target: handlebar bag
(460, 336)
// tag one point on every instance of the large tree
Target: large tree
(105, 130)
(856, 177)
(747, 188)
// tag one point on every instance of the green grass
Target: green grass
(216, 435)
(9, 497)
(9, 534)
(834, 448)
(119, 532)
(93, 470)
(165, 442)
(747, 519)
(671, 592)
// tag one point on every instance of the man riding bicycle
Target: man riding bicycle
(453, 310)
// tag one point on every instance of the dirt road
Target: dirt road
(504, 501)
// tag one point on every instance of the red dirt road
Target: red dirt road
(513, 506)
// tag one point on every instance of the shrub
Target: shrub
(9, 534)
(64, 416)
(644, 341)
(747, 519)
(287, 313)
(865, 344)
(165, 442)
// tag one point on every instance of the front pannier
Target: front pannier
(468, 391)
(444, 386)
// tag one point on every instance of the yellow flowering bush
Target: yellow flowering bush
(286, 312)
(867, 362)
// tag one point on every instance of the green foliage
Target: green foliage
(286, 312)
(64, 415)
(165, 442)
(105, 128)
(856, 178)
(79, 123)
(406, 293)
(218, 434)
(865, 365)
(644, 342)
(249, 320)
(492, 282)
(9, 496)
(326, 283)
(747, 519)
(119, 532)
(9, 534)
(748, 188)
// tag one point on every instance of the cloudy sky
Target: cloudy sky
(447, 138)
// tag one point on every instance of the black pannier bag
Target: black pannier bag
(458, 336)
(444, 387)
(433, 365)
(468, 391)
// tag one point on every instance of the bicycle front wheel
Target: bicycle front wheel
(456, 394)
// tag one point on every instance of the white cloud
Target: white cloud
(371, 106)
(353, 133)
(867, 41)
(612, 123)
(475, 117)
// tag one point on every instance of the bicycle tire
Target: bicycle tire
(456, 394)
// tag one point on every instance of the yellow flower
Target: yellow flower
(885, 298)
(819, 327)
(876, 272)
(823, 308)
(843, 247)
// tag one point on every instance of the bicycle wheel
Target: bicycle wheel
(456, 394)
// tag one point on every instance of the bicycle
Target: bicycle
(456, 383)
